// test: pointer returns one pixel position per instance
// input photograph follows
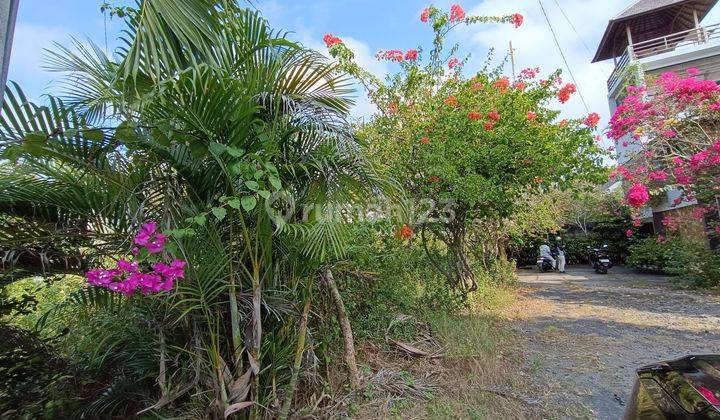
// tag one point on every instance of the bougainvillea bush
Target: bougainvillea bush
(477, 139)
(671, 126)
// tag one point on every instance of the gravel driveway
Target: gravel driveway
(586, 333)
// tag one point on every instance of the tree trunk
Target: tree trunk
(299, 350)
(465, 278)
(349, 354)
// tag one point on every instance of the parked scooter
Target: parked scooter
(544, 264)
(600, 259)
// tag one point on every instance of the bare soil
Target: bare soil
(584, 334)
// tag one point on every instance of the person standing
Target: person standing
(560, 252)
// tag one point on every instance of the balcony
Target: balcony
(684, 41)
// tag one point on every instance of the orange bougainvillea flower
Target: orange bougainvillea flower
(405, 232)
(425, 140)
(519, 85)
(537, 180)
(592, 119)
(502, 84)
(563, 123)
(474, 116)
(531, 116)
(392, 108)
(488, 126)
(433, 179)
(494, 115)
(451, 100)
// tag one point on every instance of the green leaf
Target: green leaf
(94, 134)
(253, 185)
(259, 174)
(219, 212)
(200, 219)
(271, 168)
(234, 151)
(275, 181)
(264, 194)
(217, 149)
(33, 143)
(248, 202)
(234, 203)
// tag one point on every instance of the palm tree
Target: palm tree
(206, 114)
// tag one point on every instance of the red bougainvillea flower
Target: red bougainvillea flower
(331, 40)
(474, 115)
(425, 140)
(629, 233)
(406, 232)
(453, 62)
(592, 119)
(411, 55)
(494, 115)
(502, 84)
(564, 93)
(563, 123)
(451, 100)
(638, 195)
(516, 19)
(519, 85)
(488, 126)
(425, 15)
(531, 116)
(456, 13)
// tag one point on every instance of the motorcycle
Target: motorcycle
(600, 259)
(544, 264)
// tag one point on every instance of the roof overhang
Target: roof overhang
(648, 19)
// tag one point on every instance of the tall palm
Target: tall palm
(206, 108)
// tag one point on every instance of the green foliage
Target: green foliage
(649, 254)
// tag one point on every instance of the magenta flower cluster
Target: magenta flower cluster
(128, 277)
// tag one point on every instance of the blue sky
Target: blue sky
(366, 26)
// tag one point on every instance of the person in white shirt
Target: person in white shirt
(560, 255)
(545, 252)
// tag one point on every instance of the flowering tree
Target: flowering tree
(671, 126)
(476, 142)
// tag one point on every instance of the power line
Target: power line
(578, 34)
(572, 76)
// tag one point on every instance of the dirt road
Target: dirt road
(586, 333)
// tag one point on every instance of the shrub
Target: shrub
(649, 254)
(693, 263)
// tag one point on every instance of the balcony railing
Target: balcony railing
(679, 41)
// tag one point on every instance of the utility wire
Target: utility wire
(578, 35)
(572, 76)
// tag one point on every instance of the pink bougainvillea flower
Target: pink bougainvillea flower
(494, 115)
(531, 116)
(692, 71)
(474, 116)
(453, 62)
(592, 120)
(456, 13)
(516, 19)
(331, 40)
(678, 160)
(661, 238)
(669, 133)
(530, 72)
(411, 55)
(128, 267)
(425, 15)
(637, 222)
(629, 233)
(658, 176)
(638, 195)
